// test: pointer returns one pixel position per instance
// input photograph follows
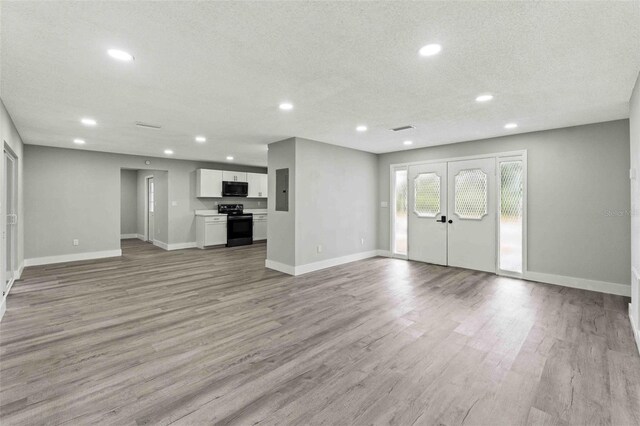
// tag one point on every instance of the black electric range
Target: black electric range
(239, 224)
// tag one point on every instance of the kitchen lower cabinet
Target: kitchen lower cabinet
(211, 231)
(259, 227)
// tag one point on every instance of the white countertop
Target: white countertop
(215, 212)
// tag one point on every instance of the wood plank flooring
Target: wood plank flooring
(212, 337)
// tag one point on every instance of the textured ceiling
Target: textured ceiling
(220, 69)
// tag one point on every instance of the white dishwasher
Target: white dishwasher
(259, 226)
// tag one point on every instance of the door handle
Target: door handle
(443, 219)
(450, 221)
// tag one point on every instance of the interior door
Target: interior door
(427, 211)
(472, 219)
(151, 203)
(11, 222)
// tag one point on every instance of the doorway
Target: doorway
(464, 212)
(150, 208)
(10, 233)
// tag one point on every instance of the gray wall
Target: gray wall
(128, 201)
(281, 226)
(634, 129)
(577, 183)
(333, 197)
(336, 198)
(72, 193)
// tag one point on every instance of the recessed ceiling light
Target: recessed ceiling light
(286, 106)
(120, 55)
(79, 141)
(484, 98)
(201, 139)
(229, 157)
(88, 121)
(408, 142)
(510, 125)
(430, 50)
(168, 151)
(361, 128)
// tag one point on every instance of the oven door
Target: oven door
(235, 189)
(239, 230)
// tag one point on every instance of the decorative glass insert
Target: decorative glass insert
(511, 200)
(471, 194)
(426, 202)
(400, 212)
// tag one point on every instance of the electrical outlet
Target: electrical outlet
(319, 248)
(76, 242)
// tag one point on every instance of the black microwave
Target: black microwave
(235, 189)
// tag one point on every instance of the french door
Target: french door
(452, 213)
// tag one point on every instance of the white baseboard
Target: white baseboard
(3, 307)
(581, 283)
(181, 246)
(384, 253)
(141, 237)
(161, 244)
(635, 326)
(281, 267)
(18, 273)
(72, 257)
(128, 236)
(323, 264)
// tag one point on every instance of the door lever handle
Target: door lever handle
(443, 219)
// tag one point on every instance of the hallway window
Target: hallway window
(511, 215)
(400, 212)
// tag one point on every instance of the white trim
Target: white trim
(280, 267)
(128, 236)
(181, 246)
(634, 328)
(323, 264)
(3, 307)
(18, 273)
(141, 237)
(468, 157)
(72, 257)
(161, 244)
(384, 253)
(581, 283)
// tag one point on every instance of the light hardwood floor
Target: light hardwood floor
(203, 337)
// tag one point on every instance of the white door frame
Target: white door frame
(392, 210)
(7, 151)
(146, 207)
(499, 157)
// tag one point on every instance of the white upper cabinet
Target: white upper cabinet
(257, 185)
(234, 176)
(208, 183)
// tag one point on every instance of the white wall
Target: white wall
(578, 190)
(128, 201)
(11, 138)
(634, 132)
(73, 193)
(332, 204)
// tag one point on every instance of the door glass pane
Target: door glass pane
(400, 213)
(151, 196)
(427, 195)
(511, 199)
(471, 194)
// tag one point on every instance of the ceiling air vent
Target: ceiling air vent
(399, 129)
(147, 125)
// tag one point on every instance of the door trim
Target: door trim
(498, 156)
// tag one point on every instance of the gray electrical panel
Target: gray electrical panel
(282, 190)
